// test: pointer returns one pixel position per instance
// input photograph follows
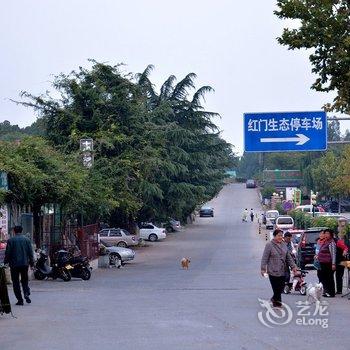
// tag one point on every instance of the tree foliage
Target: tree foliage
(10, 132)
(160, 151)
(324, 27)
(192, 154)
(323, 173)
(330, 174)
(304, 221)
(39, 174)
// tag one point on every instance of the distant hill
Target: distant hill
(10, 132)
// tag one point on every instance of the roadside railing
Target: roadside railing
(72, 239)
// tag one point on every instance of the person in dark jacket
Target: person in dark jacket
(19, 255)
(327, 259)
(252, 215)
(274, 262)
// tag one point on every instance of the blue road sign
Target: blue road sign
(285, 131)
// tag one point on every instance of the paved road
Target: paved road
(153, 304)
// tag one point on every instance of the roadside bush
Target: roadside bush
(280, 209)
(298, 217)
(308, 222)
(267, 191)
(305, 221)
(323, 221)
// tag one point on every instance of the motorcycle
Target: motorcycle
(59, 269)
(80, 265)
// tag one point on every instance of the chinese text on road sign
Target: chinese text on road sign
(285, 131)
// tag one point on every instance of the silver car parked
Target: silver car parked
(117, 255)
(118, 236)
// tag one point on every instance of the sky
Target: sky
(230, 45)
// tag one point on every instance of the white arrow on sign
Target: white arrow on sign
(300, 139)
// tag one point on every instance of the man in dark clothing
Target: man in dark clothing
(251, 215)
(19, 255)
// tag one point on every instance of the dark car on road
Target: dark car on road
(306, 247)
(250, 183)
(206, 211)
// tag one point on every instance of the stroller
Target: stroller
(296, 283)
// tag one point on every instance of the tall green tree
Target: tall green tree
(194, 156)
(323, 172)
(341, 177)
(324, 28)
(160, 150)
(105, 105)
(250, 165)
(333, 131)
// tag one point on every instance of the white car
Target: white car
(270, 217)
(284, 223)
(308, 208)
(151, 232)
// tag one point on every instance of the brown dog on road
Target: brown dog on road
(185, 263)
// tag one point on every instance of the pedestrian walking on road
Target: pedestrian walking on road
(19, 255)
(341, 253)
(251, 214)
(274, 262)
(245, 215)
(327, 259)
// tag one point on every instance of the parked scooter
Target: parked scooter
(59, 269)
(80, 264)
